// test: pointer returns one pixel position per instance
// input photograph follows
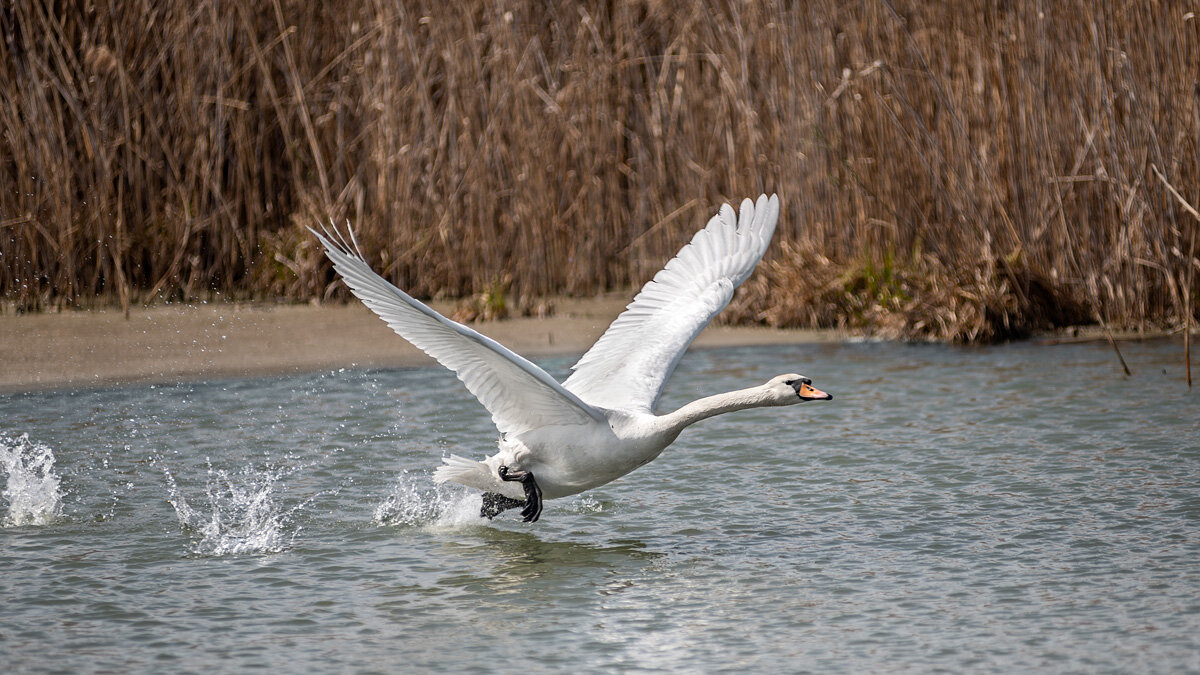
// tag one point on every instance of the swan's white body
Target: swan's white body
(599, 424)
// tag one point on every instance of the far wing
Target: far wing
(629, 365)
(519, 395)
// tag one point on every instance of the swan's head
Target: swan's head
(793, 388)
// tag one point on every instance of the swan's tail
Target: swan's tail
(463, 471)
(474, 474)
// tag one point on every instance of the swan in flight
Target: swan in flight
(598, 425)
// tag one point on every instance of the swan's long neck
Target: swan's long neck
(754, 397)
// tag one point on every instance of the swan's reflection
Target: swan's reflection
(518, 562)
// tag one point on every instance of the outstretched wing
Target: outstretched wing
(629, 365)
(519, 395)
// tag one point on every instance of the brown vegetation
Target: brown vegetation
(965, 171)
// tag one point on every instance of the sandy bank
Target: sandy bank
(173, 343)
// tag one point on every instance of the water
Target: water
(31, 489)
(999, 509)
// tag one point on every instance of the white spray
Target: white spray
(32, 488)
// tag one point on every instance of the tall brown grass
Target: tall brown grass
(962, 171)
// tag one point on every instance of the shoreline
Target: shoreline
(166, 344)
(177, 343)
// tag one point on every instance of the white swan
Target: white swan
(598, 425)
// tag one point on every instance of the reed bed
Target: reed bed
(960, 172)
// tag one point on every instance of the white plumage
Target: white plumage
(630, 364)
(599, 424)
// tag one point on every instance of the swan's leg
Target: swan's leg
(495, 504)
(533, 493)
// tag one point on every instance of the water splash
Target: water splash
(32, 489)
(585, 504)
(243, 515)
(418, 501)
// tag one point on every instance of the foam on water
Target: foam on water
(243, 514)
(416, 500)
(32, 488)
(585, 504)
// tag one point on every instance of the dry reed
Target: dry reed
(962, 172)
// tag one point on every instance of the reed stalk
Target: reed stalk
(956, 172)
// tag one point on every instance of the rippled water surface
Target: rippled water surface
(994, 509)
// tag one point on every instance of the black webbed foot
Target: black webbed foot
(495, 504)
(533, 493)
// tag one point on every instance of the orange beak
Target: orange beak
(810, 393)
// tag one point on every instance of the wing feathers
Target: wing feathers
(630, 363)
(519, 395)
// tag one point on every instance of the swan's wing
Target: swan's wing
(630, 363)
(520, 395)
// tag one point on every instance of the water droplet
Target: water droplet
(32, 488)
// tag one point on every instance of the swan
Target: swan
(599, 424)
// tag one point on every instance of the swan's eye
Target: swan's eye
(807, 392)
(801, 385)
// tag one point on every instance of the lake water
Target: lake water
(1001, 509)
